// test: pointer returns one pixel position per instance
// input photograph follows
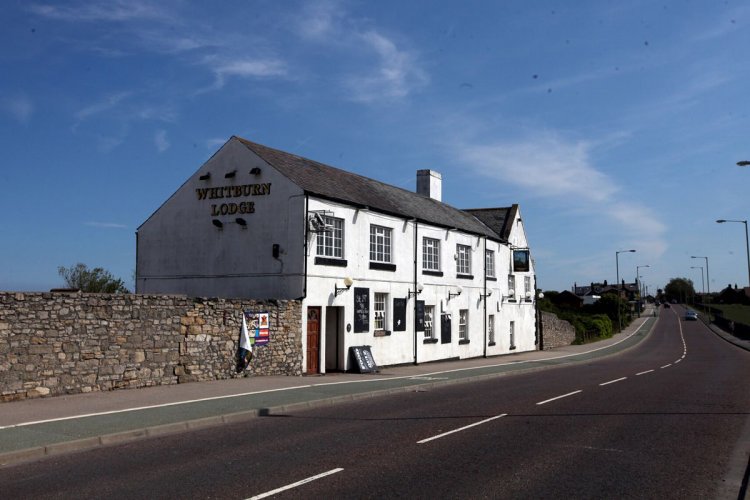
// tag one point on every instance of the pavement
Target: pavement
(33, 429)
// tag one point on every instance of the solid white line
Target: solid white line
(294, 485)
(643, 373)
(559, 397)
(666, 366)
(615, 380)
(461, 428)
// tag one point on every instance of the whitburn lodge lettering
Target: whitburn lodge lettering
(231, 208)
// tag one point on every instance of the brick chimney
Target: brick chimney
(430, 184)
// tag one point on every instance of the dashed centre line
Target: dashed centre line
(643, 373)
(462, 428)
(613, 381)
(558, 397)
(294, 485)
(666, 366)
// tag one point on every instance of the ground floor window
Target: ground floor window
(512, 334)
(463, 324)
(380, 312)
(429, 331)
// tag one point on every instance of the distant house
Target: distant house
(591, 293)
(567, 300)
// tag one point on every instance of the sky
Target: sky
(614, 125)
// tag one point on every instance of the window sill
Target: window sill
(382, 266)
(430, 341)
(465, 276)
(512, 300)
(491, 344)
(491, 278)
(464, 342)
(439, 274)
(512, 348)
(382, 333)
(328, 261)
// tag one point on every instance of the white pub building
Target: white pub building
(373, 264)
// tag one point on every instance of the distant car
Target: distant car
(666, 305)
(691, 316)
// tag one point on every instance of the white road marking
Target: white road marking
(677, 361)
(558, 397)
(613, 381)
(294, 485)
(666, 366)
(643, 373)
(462, 428)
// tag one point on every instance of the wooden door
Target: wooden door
(313, 340)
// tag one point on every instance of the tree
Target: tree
(95, 280)
(680, 289)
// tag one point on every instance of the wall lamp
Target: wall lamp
(217, 223)
(348, 282)
(743, 163)
(485, 295)
(242, 222)
(456, 293)
(255, 171)
(420, 287)
(205, 176)
(231, 174)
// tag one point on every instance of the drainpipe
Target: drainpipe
(485, 297)
(307, 237)
(416, 297)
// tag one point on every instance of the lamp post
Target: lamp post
(638, 284)
(747, 245)
(743, 163)
(617, 265)
(708, 285)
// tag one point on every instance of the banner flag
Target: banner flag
(245, 352)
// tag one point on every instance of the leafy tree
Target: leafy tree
(95, 280)
(680, 289)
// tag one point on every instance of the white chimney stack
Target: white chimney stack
(430, 184)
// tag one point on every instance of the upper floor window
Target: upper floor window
(380, 244)
(527, 287)
(463, 259)
(331, 243)
(511, 287)
(430, 254)
(489, 263)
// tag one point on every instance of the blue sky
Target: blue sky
(614, 125)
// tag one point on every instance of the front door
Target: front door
(313, 339)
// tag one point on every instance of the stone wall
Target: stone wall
(557, 332)
(62, 343)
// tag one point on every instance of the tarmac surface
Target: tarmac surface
(33, 429)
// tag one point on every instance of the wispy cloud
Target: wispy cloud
(160, 140)
(105, 225)
(396, 75)
(110, 10)
(547, 166)
(20, 107)
(320, 20)
(101, 106)
(244, 68)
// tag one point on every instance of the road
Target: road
(668, 418)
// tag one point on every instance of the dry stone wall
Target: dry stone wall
(62, 343)
(557, 332)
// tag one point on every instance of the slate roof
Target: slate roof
(339, 185)
(499, 220)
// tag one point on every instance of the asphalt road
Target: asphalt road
(669, 418)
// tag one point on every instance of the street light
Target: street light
(708, 285)
(747, 245)
(617, 265)
(638, 284)
(703, 284)
(743, 163)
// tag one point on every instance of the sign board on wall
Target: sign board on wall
(362, 359)
(399, 315)
(361, 310)
(258, 327)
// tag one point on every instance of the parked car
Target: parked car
(691, 316)
(666, 305)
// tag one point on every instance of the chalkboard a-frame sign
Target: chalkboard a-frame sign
(361, 310)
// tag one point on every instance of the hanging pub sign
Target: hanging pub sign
(521, 261)
(399, 315)
(258, 327)
(361, 310)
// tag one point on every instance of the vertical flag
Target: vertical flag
(245, 353)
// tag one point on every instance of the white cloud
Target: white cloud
(103, 105)
(396, 76)
(244, 68)
(110, 10)
(320, 20)
(20, 107)
(160, 140)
